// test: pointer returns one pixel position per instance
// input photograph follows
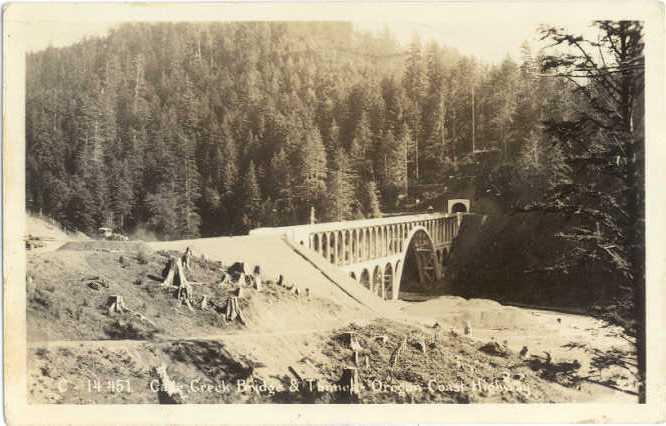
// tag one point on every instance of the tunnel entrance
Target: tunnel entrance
(459, 208)
(419, 270)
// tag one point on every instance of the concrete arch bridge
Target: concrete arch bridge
(373, 251)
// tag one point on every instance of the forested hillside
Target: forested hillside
(211, 129)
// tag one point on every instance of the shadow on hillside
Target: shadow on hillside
(211, 358)
(607, 362)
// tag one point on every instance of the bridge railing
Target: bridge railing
(367, 238)
(348, 224)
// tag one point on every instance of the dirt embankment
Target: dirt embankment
(397, 363)
(290, 348)
(69, 290)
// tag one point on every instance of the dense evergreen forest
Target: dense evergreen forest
(212, 129)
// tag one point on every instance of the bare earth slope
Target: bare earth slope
(290, 348)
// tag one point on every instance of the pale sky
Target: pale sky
(480, 32)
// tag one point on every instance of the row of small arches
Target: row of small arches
(382, 280)
(381, 283)
(346, 247)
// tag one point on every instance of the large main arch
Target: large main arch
(399, 269)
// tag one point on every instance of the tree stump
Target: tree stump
(225, 279)
(116, 304)
(256, 275)
(468, 328)
(421, 346)
(175, 275)
(307, 292)
(185, 299)
(383, 339)
(280, 280)
(204, 303)
(395, 356)
(349, 381)
(186, 259)
(351, 341)
(232, 311)
(168, 392)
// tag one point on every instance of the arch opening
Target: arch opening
(324, 246)
(419, 271)
(365, 279)
(378, 281)
(459, 208)
(388, 281)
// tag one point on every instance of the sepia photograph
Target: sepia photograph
(445, 209)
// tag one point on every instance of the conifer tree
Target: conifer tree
(340, 186)
(312, 174)
(251, 202)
